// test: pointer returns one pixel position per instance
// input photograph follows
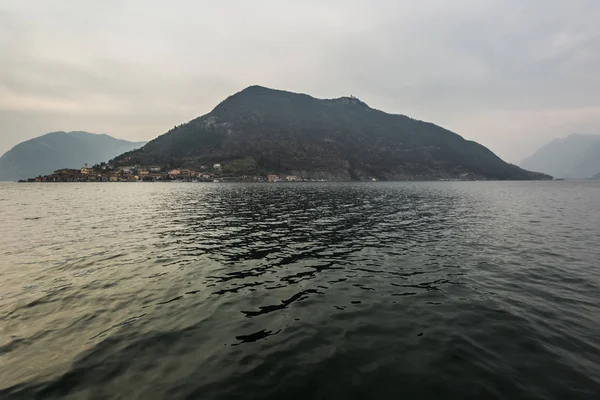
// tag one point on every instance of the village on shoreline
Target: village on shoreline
(104, 172)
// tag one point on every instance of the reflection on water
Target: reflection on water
(466, 290)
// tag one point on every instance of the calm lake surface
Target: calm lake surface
(466, 290)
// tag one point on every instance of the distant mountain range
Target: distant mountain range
(52, 151)
(575, 157)
(262, 131)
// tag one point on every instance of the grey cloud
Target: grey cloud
(509, 74)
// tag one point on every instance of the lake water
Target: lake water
(466, 290)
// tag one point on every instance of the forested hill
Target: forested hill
(264, 131)
(576, 156)
(55, 150)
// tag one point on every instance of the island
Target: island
(262, 134)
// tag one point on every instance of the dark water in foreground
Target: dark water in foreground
(300, 291)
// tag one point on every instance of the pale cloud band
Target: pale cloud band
(509, 74)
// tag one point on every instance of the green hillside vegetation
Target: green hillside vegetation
(264, 131)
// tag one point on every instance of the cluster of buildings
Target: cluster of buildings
(108, 173)
(287, 178)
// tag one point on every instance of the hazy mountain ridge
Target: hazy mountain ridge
(55, 150)
(576, 156)
(261, 130)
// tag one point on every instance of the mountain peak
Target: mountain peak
(260, 131)
(257, 88)
(44, 154)
(352, 100)
(576, 156)
(261, 90)
(263, 99)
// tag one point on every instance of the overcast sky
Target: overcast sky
(510, 74)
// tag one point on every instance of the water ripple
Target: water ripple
(421, 290)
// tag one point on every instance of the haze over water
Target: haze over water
(469, 290)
